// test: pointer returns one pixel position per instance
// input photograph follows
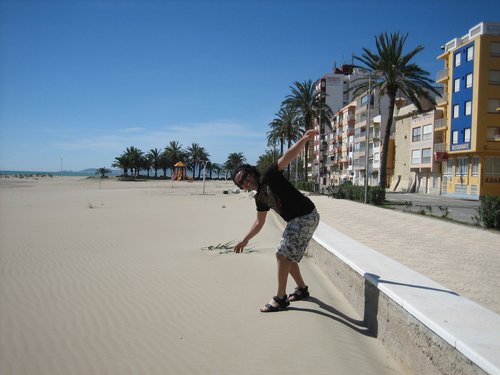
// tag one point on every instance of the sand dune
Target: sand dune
(114, 281)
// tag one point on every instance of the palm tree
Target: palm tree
(155, 156)
(234, 160)
(135, 157)
(310, 104)
(173, 154)
(197, 154)
(394, 73)
(102, 172)
(122, 162)
(285, 127)
(265, 160)
(217, 168)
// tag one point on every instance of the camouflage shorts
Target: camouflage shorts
(297, 235)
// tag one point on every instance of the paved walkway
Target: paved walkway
(463, 258)
(461, 210)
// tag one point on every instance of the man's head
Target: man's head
(246, 177)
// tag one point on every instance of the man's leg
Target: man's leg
(283, 271)
(297, 276)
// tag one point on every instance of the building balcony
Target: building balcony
(440, 124)
(439, 147)
(442, 76)
(441, 101)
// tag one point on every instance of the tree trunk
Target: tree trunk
(385, 144)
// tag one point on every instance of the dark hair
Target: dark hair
(250, 169)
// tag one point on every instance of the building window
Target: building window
(494, 77)
(475, 166)
(415, 136)
(495, 48)
(415, 156)
(454, 137)
(493, 133)
(467, 135)
(456, 85)
(468, 80)
(426, 156)
(448, 167)
(492, 166)
(493, 106)
(427, 132)
(364, 100)
(456, 111)
(462, 167)
(457, 59)
(470, 53)
(468, 108)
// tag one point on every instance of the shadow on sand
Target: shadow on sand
(369, 325)
(334, 314)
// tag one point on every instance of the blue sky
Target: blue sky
(82, 80)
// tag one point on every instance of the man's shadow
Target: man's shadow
(369, 325)
(331, 312)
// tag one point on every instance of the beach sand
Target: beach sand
(110, 277)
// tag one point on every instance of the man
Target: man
(274, 191)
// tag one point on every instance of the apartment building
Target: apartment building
(341, 150)
(419, 143)
(340, 146)
(470, 160)
(334, 88)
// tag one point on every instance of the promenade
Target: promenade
(463, 258)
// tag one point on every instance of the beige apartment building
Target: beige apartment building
(419, 144)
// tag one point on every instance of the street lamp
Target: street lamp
(367, 148)
(204, 163)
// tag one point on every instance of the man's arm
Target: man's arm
(256, 227)
(295, 150)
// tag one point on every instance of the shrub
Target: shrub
(376, 195)
(489, 211)
(305, 185)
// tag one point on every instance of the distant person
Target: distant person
(274, 191)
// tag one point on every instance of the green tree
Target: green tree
(135, 157)
(394, 72)
(286, 126)
(173, 154)
(234, 160)
(196, 155)
(155, 157)
(123, 163)
(102, 172)
(266, 159)
(310, 104)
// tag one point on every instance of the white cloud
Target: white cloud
(219, 138)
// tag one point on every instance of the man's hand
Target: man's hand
(240, 246)
(310, 134)
(295, 150)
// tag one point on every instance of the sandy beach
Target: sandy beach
(113, 279)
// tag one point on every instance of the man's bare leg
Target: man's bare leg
(283, 271)
(297, 276)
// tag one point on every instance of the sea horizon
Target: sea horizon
(86, 172)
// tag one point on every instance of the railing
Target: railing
(439, 147)
(440, 124)
(442, 75)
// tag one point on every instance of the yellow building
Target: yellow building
(471, 104)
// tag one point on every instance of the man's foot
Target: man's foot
(276, 304)
(300, 293)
